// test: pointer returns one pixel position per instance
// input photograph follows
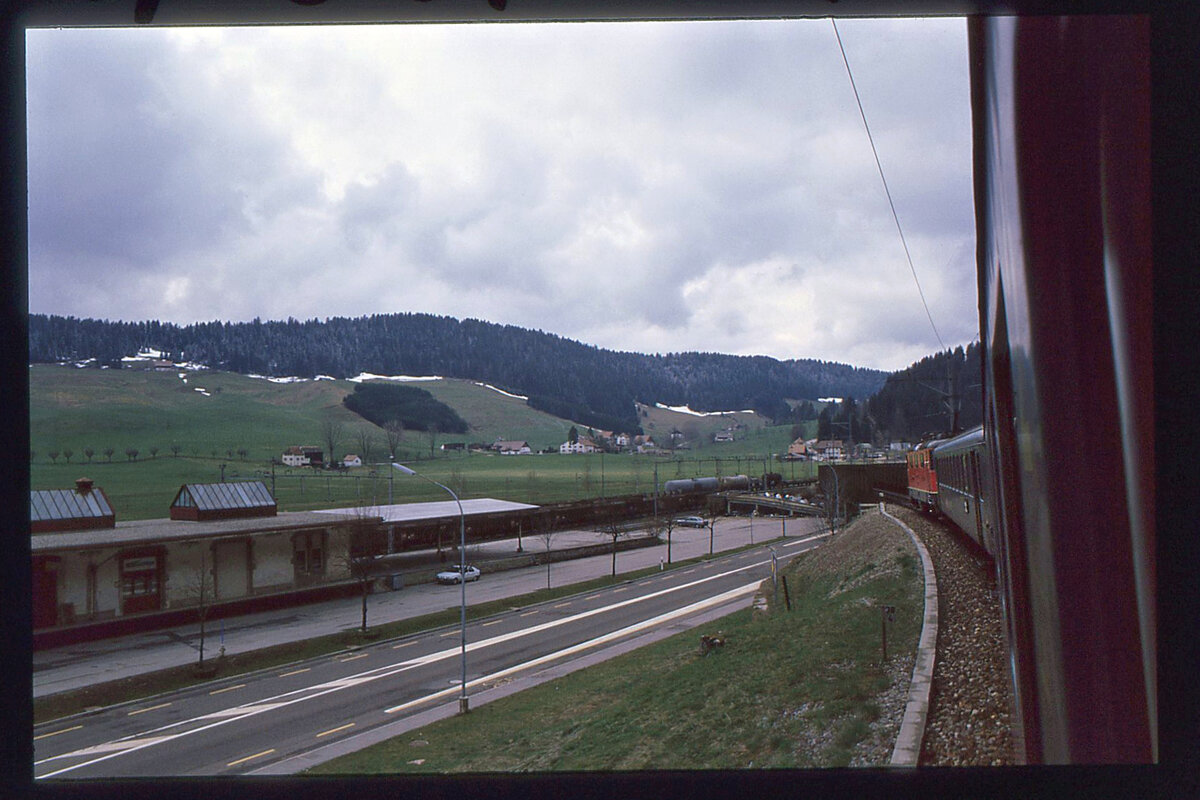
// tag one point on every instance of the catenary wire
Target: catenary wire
(886, 190)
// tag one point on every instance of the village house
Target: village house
(299, 456)
(513, 448)
(351, 460)
(582, 445)
(798, 450)
(645, 444)
(830, 449)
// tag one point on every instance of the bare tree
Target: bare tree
(615, 530)
(361, 557)
(546, 534)
(89, 452)
(108, 453)
(201, 589)
(433, 432)
(175, 450)
(332, 432)
(67, 453)
(666, 525)
(154, 452)
(53, 455)
(366, 443)
(394, 431)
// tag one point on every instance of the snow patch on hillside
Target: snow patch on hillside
(367, 376)
(686, 410)
(501, 391)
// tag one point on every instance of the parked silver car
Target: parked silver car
(455, 574)
(692, 522)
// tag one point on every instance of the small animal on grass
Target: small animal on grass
(710, 643)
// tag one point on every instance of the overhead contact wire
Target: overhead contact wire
(886, 190)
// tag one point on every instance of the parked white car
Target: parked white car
(455, 574)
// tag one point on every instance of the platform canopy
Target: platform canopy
(416, 512)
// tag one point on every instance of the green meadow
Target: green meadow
(238, 425)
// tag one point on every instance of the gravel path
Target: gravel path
(970, 717)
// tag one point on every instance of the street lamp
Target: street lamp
(463, 706)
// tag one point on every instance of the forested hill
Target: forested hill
(568, 378)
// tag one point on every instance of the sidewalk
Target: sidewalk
(78, 665)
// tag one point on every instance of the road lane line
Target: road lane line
(529, 613)
(353, 658)
(228, 688)
(562, 605)
(335, 730)
(295, 672)
(144, 710)
(250, 758)
(56, 733)
(404, 644)
(701, 605)
(131, 744)
(493, 622)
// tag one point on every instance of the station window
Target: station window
(308, 552)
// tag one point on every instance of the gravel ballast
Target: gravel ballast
(970, 712)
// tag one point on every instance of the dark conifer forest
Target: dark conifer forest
(597, 386)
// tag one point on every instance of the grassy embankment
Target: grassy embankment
(77, 409)
(788, 689)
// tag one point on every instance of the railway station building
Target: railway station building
(92, 570)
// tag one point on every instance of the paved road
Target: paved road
(75, 666)
(274, 720)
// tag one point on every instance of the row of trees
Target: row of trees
(132, 453)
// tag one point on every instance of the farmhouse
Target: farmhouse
(512, 448)
(91, 572)
(303, 457)
(798, 450)
(581, 445)
(351, 460)
(830, 449)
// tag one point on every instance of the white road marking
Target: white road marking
(132, 743)
(578, 648)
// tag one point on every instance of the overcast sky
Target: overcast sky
(651, 187)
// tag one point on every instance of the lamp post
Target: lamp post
(463, 706)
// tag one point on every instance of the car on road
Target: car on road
(455, 574)
(691, 522)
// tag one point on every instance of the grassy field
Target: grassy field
(236, 428)
(789, 689)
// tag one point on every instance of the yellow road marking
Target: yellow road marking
(56, 733)
(562, 605)
(451, 633)
(295, 672)
(351, 658)
(144, 710)
(528, 613)
(404, 644)
(247, 758)
(228, 688)
(493, 622)
(620, 589)
(335, 730)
